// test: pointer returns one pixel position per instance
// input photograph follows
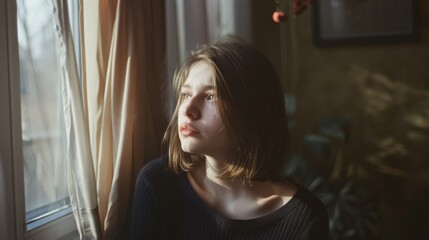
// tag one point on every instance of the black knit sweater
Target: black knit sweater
(166, 207)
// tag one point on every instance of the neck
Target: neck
(234, 199)
(213, 170)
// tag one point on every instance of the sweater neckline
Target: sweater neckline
(242, 223)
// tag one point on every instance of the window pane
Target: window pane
(43, 133)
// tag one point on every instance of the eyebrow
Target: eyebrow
(205, 88)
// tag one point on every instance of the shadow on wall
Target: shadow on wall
(383, 191)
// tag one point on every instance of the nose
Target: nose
(191, 110)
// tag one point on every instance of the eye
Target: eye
(185, 96)
(210, 98)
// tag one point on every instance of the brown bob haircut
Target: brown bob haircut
(250, 102)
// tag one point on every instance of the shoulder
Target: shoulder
(311, 210)
(309, 202)
(154, 173)
(155, 165)
(300, 196)
(154, 168)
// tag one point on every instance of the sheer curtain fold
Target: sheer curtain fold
(115, 116)
(81, 178)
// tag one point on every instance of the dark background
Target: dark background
(359, 119)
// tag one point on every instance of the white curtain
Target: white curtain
(81, 177)
(115, 116)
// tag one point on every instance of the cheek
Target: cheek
(219, 132)
(180, 115)
(215, 119)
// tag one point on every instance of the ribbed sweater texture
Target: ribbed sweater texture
(165, 206)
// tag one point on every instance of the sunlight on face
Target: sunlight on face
(201, 130)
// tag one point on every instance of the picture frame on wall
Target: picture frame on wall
(337, 22)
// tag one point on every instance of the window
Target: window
(45, 173)
(36, 196)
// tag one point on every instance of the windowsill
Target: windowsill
(50, 217)
(63, 228)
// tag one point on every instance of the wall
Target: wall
(361, 117)
(10, 224)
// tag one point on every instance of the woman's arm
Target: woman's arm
(146, 222)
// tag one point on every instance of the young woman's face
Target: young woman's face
(201, 130)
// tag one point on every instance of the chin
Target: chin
(193, 149)
(190, 149)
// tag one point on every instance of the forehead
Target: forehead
(201, 73)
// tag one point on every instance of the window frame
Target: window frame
(12, 221)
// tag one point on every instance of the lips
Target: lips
(188, 130)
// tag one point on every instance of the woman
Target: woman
(222, 178)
